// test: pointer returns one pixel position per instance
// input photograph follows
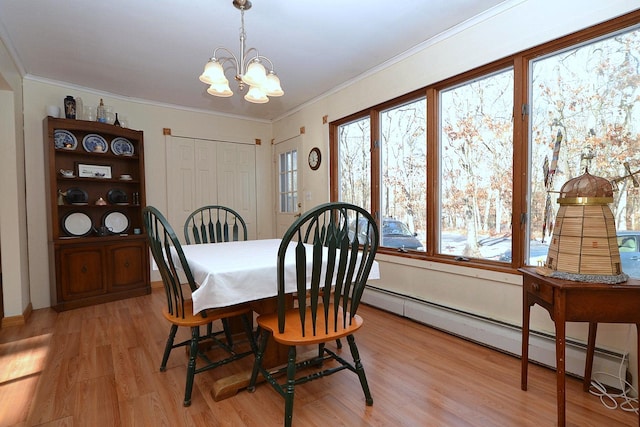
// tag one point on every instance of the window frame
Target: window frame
(433, 145)
(373, 114)
(519, 62)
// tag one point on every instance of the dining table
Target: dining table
(238, 272)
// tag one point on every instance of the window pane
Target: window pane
(288, 185)
(585, 114)
(476, 167)
(354, 153)
(403, 172)
(294, 180)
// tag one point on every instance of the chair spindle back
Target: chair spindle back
(164, 246)
(334, 252)
(214, 224)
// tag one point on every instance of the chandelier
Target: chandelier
(249, 69)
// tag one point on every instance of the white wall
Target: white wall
(146, 117)
(519, 26)
(13, 226)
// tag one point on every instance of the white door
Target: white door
(206, 173)
(288, 182)
(203, 172)
(181, 180)
(236, 184)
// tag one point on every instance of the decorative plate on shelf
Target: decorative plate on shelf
(117, 197)
(76, 196)
(116, 222)
(64, 139)
(94, 143)
(122, 147)
(77, 224)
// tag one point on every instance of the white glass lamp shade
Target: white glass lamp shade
(220, 89)
(256, 95)
(256, 74)
(213, 73)
(273, 85)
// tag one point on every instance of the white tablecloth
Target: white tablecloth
(237, 272)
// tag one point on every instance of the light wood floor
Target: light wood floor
(98, 366)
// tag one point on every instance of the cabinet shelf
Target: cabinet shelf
(92, 269)
(80, 152)
(76, 180)
(102, 239)
(94, 206)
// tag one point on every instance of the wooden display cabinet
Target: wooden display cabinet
(95, 253)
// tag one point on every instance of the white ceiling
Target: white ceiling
(156, 49)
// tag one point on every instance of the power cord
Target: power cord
(615, 400)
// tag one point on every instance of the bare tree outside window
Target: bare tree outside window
(581, 111)
(354, 149)
(403, 148)
(476, 167)
(585, 104)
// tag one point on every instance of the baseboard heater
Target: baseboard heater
(498, 335)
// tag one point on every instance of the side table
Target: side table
(570, 301)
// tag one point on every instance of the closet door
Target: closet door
(203, 172)
(206, 173)
(181, 181)
(237, 181)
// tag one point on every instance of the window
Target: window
(476, 167)
(354, 148)
(400, 152)
(288, 181)
(403, 157)
(585, 116)
(470, 167)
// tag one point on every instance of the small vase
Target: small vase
(116, 122)
(70, 107)
(79, 109)
(101, 114)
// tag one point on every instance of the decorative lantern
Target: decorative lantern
(584, 246)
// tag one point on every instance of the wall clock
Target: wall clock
(314, 158)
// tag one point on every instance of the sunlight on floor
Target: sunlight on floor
(19, 376)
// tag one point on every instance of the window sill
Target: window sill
(504, 274)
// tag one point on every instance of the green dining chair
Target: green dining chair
(169, 257)
(333, 257)
(215, 224)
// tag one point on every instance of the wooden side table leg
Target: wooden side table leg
(591, 345)
(526, 311)
(638, 354)
(559, 319)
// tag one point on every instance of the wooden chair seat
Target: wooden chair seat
(293, 334)
(212, 315)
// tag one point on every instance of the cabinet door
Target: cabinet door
(81, 272)
(126, 266)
